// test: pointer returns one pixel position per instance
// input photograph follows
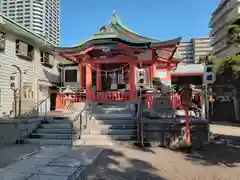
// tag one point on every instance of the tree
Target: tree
(234, 32)
(205, 60)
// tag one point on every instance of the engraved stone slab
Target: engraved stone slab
(47, 177)
(46, 155)
(85, 156)
(30, 162)
(51, 152)
(81, 158)
(57, 171)
(66, 162)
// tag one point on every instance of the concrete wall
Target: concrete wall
(12, 130)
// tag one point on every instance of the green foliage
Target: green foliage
(234, 31)
(227, 69)
(204, 60)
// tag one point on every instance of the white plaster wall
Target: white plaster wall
(33, 72)
(7, 58)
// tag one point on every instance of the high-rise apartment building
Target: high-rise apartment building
(227, 12)
(40, 16)
(191, 51)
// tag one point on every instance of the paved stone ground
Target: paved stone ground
(10, 153)
(225, 129)
(219, 160)
(50, 163)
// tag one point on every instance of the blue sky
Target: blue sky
(159, 19)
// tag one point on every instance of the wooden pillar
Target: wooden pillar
(132, 82)
(149, 76)
(98, 78)
(154, 70)
(88, 82)
(81, 75)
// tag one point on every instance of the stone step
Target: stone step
(108, 137)
(48, 141)
(115, 122)
(56, 121)
(53, 131)
(55, 126)
(113, 131)
(88, 142)
(52, 136)
(93, 142)
(125, 126)
(113, 117)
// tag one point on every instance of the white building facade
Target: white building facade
(40, 16)
(33, 55)
(191, 51)
(226, 12)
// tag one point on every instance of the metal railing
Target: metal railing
(78, 122)
(33, 116)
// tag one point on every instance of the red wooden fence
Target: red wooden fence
(110, 96)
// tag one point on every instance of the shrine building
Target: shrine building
(110, 65)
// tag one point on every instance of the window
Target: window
(24, 50)
(2, 41)
(47, 59)
(70, 75)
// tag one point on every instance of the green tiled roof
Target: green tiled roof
(116, 30)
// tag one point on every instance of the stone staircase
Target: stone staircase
(104, 125)
(107, 129)
(55, 130)
(108, 124)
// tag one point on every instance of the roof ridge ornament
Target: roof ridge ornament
(115, 19)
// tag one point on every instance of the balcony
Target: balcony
(225, 20)
(228, 7)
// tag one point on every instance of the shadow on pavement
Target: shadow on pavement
(224, 150)
(114, 165)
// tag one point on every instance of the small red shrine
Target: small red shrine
(111, 62)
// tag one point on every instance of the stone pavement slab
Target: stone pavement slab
(225, 130)
(50, 163)
(10, 153)
(47, 177)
